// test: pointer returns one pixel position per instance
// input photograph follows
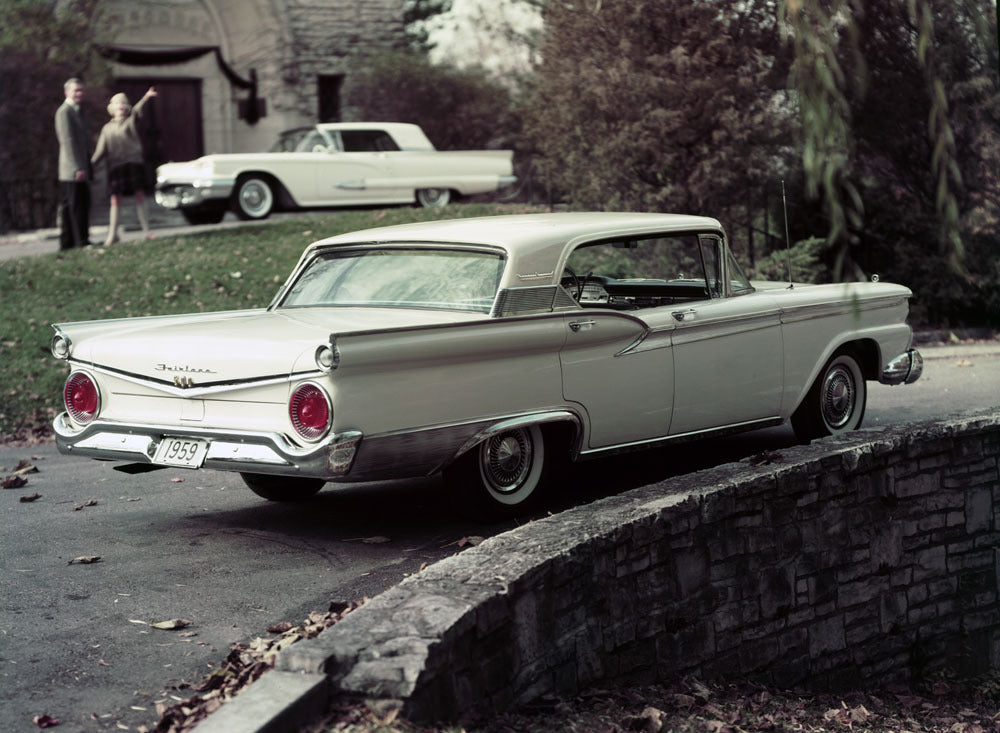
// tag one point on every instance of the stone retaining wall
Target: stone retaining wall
(851, 562)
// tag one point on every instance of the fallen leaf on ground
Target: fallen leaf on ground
(30, 497)
(13, 482)
(172, 624)
(279, 628)
(89, 502)
(85, 560)
(46, 721)
(964, 363)
(24, 467)
(177, 480)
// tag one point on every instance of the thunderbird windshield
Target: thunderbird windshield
(399, 277)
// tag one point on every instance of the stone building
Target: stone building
(231, 74)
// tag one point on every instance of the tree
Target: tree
(661, 105)
(457, 108)
(900, 110)
(42, 43)
(416, 14)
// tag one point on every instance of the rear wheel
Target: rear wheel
(282, 488)
(253, 198)
(503, 475)
(431, 198)
(835, 403)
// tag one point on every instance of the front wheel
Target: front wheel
(502, 476)
(253, 198)
(835, 403)
(431, 198)
(282, 488)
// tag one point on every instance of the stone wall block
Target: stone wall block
(827, 635)
(919, 484)
(776, 588)
(979, 513)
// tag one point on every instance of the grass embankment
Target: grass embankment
(217, 270)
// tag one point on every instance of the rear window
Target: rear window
(399, 277)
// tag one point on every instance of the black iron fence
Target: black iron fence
(28, 204)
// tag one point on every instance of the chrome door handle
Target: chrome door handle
(685, 315)
(575, 326)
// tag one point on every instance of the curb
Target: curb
(277, 702)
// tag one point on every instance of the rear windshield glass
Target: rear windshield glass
(399, 277)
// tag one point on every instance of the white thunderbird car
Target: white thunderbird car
(333, 164)
(490, 350)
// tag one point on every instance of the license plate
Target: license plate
(185, 452)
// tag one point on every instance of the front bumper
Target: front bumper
(904, 369)
(185, 194)
(229, 450)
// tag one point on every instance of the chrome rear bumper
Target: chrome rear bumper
(904, 369)
(230, 450)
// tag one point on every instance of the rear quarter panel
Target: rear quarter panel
(397, 380)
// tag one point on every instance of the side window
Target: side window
(367, 141)
(738, 282)
(642, 273)
(710, 248)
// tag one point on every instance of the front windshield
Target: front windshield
(400, 277)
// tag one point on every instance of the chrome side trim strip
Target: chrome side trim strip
(826, 310)
(681, 438)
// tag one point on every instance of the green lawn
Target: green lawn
(219, 270)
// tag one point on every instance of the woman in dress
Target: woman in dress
(119, 143)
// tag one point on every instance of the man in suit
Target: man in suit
(75, 171)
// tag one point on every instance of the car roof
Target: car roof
(518, 231)
(533, 242)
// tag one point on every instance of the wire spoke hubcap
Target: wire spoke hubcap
(506, 460)
(838, 397)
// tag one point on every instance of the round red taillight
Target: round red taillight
(309, 410)
(82, 398)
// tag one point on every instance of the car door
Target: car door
(620, 371)
(617, 362)
(299, 160)
(727, 353)
(360, 170)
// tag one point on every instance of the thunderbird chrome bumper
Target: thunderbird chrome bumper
(183, 194)
(904, 369)
(225, 451)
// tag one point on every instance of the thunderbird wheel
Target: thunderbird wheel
(431, 198)
(502, 476)
(835, 403)
(282, 488)
(253, 198)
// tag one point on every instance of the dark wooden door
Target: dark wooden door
(174, 130)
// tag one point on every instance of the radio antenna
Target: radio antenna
(788, 241)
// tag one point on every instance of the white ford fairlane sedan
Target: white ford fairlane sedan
(489, 350)
(331, 164)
